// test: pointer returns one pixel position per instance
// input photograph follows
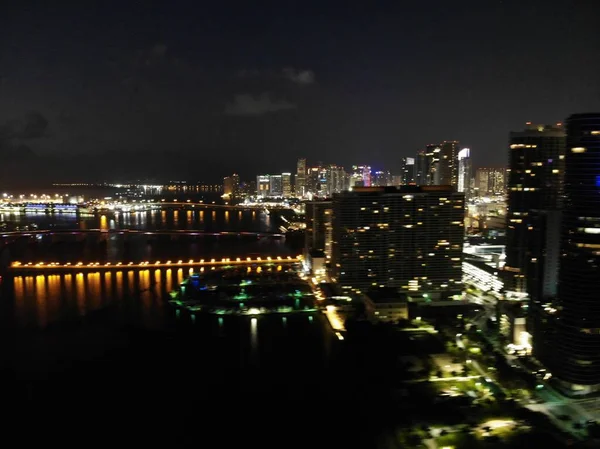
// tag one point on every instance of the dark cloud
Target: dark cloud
(13, 133)
(251, 105)
(33, 125)
(297, 76)
(302, 77)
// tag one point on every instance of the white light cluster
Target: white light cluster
(481, 279)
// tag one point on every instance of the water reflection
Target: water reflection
(254, 340)
(42, 299)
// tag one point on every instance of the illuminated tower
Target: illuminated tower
(286, 182)
(422, 168)
(275, 186)
(301, 178)
(408, 171)
(536, 161)
(447, 172)
(574, 353)
(464, 171)
(262, 186)
(408, 237)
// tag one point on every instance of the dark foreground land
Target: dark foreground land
(272, 383)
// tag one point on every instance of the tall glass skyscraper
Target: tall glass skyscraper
(575, 362)
(409, 238)
(300, 178)
(536, 160)
(464, 171)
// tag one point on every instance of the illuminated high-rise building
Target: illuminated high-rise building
(275, 186)
(263, 186)
(408, 237)
(300, 178)
(381, 178)
(568, 340)
(361, 176)
(464, 171)
(408, 171)
(490, 181)
(317, 221)
(231, 186)
(313, 182)
(536, 160)
(286, 184)
(336, 180)
(432, 154)
(422, 168)
(447, 166)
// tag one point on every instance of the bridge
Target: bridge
(190, 232)
(259, 206)
(27, 206)
(28, 267)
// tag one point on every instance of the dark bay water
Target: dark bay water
(204, 218)
(86, 342)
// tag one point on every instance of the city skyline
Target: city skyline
(387, 211)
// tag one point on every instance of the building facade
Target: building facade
(574, 357)
(300, 185)
(336, 180)
(536, 169)
(286, 185)
(464, 172)
(490, 181)
(408, 237)
(263, 186)
(447, 166)
(408, 171)
(421, 168)
(275, 186)
(318, 226)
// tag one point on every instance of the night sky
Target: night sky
(198, 90)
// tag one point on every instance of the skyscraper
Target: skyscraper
(300, 178)
(228, 186)
(381, 178)
(447, 170)
(422, 168)
(536, 159)
(275, 186)
(286, 184)
(406, 237)
(336, 180)
(575, 355)
(312, 185)
(490, 181)
(432, 155)
(316, 225)
(408, 171)
(464, 171)
(361, 175)
(262, 186)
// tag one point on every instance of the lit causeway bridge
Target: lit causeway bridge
(189, 232)
(25, 267)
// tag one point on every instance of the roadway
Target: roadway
(191, 232)
(55, 266)
(554, 404)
